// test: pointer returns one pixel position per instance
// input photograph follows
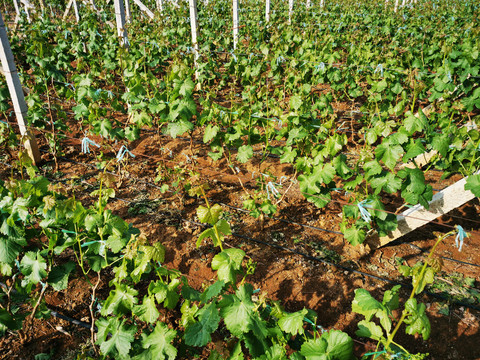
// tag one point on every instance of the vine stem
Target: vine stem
(414, 290)
(92, 315)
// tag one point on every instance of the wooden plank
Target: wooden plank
(290, 11)
(442, 202)
(144, 9)
(120, 18)
(16, 93)
(194, 26)
(267, 11)
(235, 24)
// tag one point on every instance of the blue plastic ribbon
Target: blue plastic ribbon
(121, 153)
(461, 235)
(86, 142)
(364, 212)
(271, 189)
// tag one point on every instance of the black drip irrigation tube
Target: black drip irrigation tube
(345, 268)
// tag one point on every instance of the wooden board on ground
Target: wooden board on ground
(442, 202)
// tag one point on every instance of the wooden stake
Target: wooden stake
(194, 26)
(235, 24)
(128, 14)
(120, 18)
(442, 202)
(290, 11)
(144, 9)
(16, 92)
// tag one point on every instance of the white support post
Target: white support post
(267, 11)
(26, 5)
(160, 5)
(235, 24)
(128, 14)
(77, 13)
(290, 11)
(194, 26)
(17, 11)
(442, 202)
(396, 6)
(309, 4)
(144, 9)
(120, 18)
(16, 92)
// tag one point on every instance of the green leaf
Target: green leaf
(199, 334)
(158, 344)
(389, 183)
(389, 154)
(355, 235)
(33, 266)
(473, 184)
(58, 276)
(415, 123)
(332, 345)
(245, 153)
(293, 323)
(296, 102)
(417, 320)
(9, 249)
(210, 132)
(178, 128)
(212, 291)
(237, 310)
(8, 322)
(120, 301)
(370, 330)
(187, 88)
(121, 337)
(228, 264)
(209, 215)
(147, 311)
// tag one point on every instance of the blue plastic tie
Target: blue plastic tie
(379, 68)
(86, 142)
(234, 56)
(363, 212)
(320, 66)
(461, 235)
(271, 188)
(121, 153)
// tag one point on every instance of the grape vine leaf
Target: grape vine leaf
(58, 276)
(238, 310)
(417, 320)
(199, 334)
(389, 153)
(147, 311)
(9, 249)
(296, 102)
(245, 152)
(120, 301)
(293, 323)
(369, 329)
(331, 345)
(33, 266)
(209, 215)
(354, 235)
(210, 132)
(473, 184)
(228, 264)
(158, 344)
(121, 337)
